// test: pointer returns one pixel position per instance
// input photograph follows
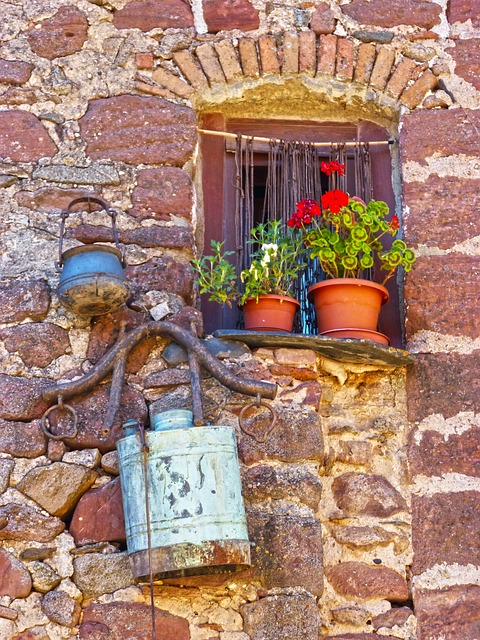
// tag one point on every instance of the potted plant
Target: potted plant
(264, 289)
(345, 235)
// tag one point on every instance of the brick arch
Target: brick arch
(379, 68)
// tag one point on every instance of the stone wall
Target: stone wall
(363, 502)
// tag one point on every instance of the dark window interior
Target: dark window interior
(218, 178)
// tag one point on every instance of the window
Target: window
(219, 188)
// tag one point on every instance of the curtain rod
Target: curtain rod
(227, 134)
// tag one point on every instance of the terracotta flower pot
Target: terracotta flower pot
(348, 305)
(270, 313)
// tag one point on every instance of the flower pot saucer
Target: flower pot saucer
(357, 334)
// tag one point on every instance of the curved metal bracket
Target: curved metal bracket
(115, 360)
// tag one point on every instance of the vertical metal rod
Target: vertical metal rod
(196, 380)
(145, 451)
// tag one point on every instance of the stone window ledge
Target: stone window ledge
(340, 349)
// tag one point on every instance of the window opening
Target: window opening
(221, 189)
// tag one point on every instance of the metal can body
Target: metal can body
(196, 512)
(92, 281)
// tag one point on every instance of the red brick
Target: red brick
(191, 69)
(344, 61)
(225, 15)
(154, 14)
(431, 454)
(365, 62)
(419, 13)
(286, 551)
(15, 71)
(227, 54)
(247, 50)
(290, 53)
(445, 529)
(432, 200)
(172, 83)
(267, 48)
(452, 613)
(462, 11)
(210, 63)
(137, 129)
(443, 383)
(323, 20)
(144, 60)
(327, 51)
(161, 193)
(61, 35)
(382, 68)
(307, 52)
(466, 54)
(23, 138)
(365, 582)
(457, 133)
(430, 309)
(413, 95)
(400, 77)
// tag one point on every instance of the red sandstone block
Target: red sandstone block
(247, 49)
(467, 57)
(323, 20)
(268, 54)
(61, 35)
(420, 13)
(452, 613)
(210, 63)
(382, 68)
(445, 529)
(459, 133)
(151, 14)
(344, 61)
(431, 454)
(412, 96)
(367, 582)
(327, 51)
(431, 200)
(307, 52)
(15, 71)
(365, 62)
(463, 10)
(225, 15)
(23, 138)
(443, 383)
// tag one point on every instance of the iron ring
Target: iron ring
(257, 403)
(61, 406)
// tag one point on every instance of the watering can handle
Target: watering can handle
(90, 199)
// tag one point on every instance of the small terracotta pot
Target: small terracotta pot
(270, 313)
(348, 304)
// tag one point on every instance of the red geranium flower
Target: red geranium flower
(335, 200)
(332, 167)
(394, 223)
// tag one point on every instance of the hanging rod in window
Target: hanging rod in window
(227, 134)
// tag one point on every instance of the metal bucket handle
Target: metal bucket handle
(90, 199)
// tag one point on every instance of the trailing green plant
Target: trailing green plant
(275, 264)
(345, 234)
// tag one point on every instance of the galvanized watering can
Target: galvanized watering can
(184, 512)
(92, 281)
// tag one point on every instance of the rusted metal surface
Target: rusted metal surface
(119, 352)
(195, 519)
(249, 428)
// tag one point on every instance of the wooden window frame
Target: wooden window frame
(218, 181)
